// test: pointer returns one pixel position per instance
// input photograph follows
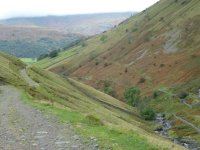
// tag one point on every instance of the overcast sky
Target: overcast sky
(19, 8)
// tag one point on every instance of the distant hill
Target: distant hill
(33, 41)
(31, 37)
(88, 24)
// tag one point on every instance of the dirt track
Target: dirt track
(25, 128)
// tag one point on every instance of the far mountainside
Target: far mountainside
(158, 51)
(31, 42)
(86, 24)
(34, 36)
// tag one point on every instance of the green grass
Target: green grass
(9, 70)
(93, 113)
(62, 57)
(29, 60)
(107, 137)
(102, 109)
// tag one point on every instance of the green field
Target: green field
(29, 60)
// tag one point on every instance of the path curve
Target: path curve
(28, 80)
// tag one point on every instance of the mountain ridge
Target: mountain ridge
(86, 24)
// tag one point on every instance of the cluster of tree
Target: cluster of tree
(133, 98)
(55, 53)
(52, 54)
(35, 49)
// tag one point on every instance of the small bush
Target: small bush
(105, 65)
(182, 94)
(92, 120)
(156, 94)
(134, 30)
(83, 44)
(126, 70)
(108, 89)
(142, 80)
(162, 19)
(103, 38)
(194, 56)
(97, 63)
(132, 96)
(162, 65)
(147, 39)
(147, 114)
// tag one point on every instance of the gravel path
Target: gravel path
(25, 128)
(28, 79)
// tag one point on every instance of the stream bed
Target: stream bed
(166, 126)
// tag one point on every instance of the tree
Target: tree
(53, 54)
(132, 96)
(42, 56)
(108, 89)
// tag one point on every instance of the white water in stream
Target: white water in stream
(166, 126)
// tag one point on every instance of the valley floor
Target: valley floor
(24, 127)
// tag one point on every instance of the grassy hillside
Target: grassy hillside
(9, 67)
(161, 44)
(157, 50)
(93, 113)
(31, 42)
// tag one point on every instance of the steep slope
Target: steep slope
(157, 50)
(161, 45)
(86, 24)
(94, 114)
(31, 42)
